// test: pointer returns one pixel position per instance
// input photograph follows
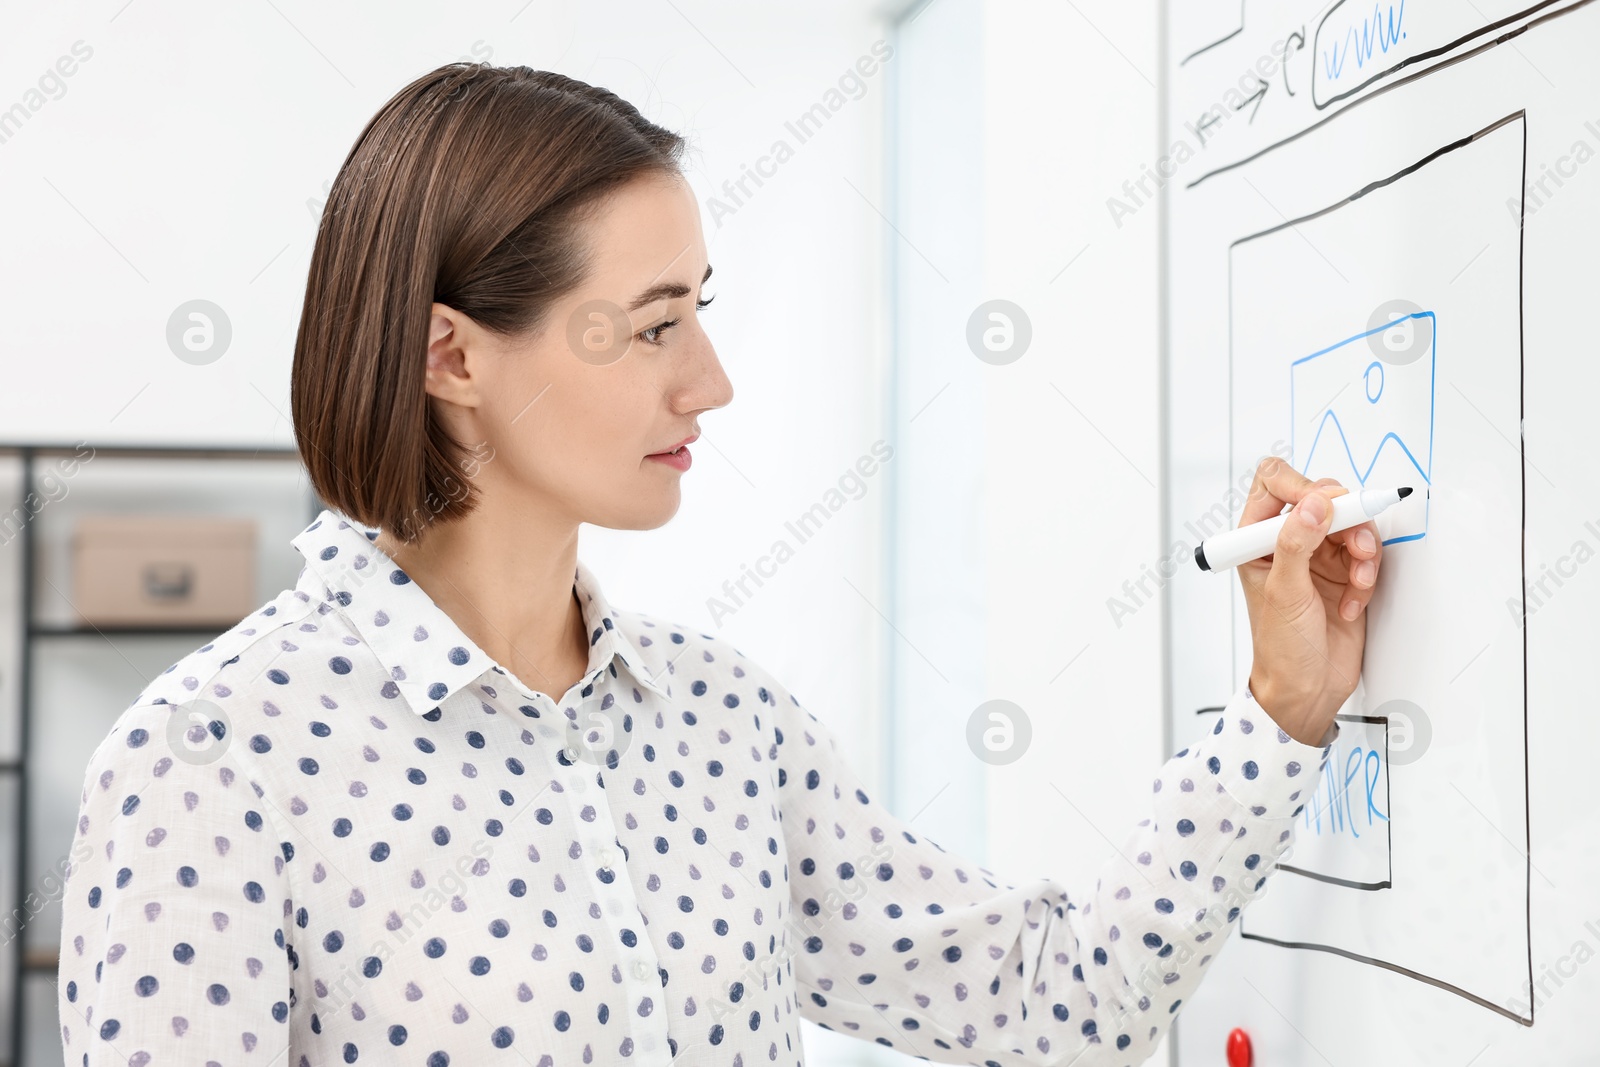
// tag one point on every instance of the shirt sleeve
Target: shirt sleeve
(905, 944)
(176, 905)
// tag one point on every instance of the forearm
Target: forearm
(911, 946)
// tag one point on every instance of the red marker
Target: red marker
(1239, 1052)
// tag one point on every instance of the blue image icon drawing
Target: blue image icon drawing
(1369, 422)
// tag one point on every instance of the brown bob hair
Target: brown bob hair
(469, 188)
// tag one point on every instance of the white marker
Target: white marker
(1260, 538)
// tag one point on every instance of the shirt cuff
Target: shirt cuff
(1258, 764)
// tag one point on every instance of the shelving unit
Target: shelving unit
(34, 636)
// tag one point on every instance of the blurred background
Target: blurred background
(927, 269)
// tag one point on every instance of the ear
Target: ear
(449, 374)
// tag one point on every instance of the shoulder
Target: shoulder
(160, 731)
(241, 651)
(155, 748)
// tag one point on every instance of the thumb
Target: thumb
(1289, 581)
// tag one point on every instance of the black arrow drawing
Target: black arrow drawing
(1258, 96)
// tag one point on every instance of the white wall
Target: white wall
(1072, 494)
(1029, 488)
(1074, 429)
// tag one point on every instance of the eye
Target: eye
(652, 336)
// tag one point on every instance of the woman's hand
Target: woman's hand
(1307, 602)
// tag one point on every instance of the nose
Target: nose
(706, 385)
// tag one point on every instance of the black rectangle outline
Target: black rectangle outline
(1388, 837)
(1527, 852)
(1382, 89)
(1420, 57)
(1388, 799)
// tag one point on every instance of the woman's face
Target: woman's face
(564, 421)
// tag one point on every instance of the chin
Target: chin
(646, 511)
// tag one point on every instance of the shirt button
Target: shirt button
(640, 971)
(607, 856)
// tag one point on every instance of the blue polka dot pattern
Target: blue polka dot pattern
(412, 856)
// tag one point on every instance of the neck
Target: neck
(506, 578)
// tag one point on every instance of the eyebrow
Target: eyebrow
(664, 291)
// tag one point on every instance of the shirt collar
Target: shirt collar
(427, 655)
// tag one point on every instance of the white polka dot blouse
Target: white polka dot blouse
(340, 833)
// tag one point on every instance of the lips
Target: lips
(687, 440)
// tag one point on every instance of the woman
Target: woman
(441, 802)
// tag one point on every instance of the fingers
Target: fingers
(1364, 556)
(1289, 580)
(1362, 541)
(1276, 484)
(1351, 559)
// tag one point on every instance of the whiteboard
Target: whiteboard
(1379, 260)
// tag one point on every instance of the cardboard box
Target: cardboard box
(164, 570)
